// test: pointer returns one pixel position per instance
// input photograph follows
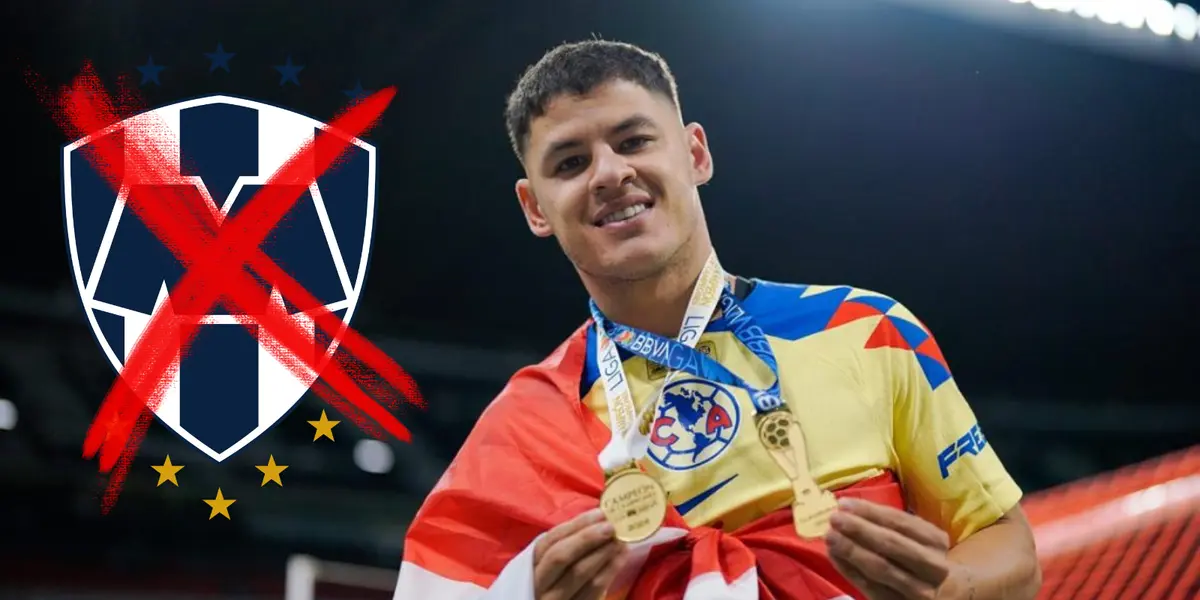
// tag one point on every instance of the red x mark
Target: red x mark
(217, 256)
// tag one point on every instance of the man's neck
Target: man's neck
(655, 304)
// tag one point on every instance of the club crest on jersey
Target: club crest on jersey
(228, 388)
(695, 423)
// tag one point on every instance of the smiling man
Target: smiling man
(769, 401)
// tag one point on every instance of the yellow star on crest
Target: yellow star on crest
(324, 427)
(271, 471)
(166, 472)
(220, 505)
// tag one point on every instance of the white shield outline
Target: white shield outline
(169, 114)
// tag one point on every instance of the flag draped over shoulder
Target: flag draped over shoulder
(530, 464)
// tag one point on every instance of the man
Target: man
(612, 173)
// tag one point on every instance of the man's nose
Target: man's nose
(610, 171)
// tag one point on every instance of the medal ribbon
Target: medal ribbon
(678, 356)
(627, 443)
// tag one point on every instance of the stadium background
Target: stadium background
(1026, 178)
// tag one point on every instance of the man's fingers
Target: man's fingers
(908, 525)
(872, 590)
(597, 587)
(561, 553)
(566, 529)
(925, 563)
(579, 574)
(877, 569)
(848, 570)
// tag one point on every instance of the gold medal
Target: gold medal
(811, 505)
(635, 503)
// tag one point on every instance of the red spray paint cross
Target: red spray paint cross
(220, 261)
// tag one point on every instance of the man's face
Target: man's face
(613, 176)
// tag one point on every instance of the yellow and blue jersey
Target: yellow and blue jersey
(871, 390)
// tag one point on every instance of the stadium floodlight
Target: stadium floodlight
(1187, 22)
(373, 456)
(1161, 17)
(8, 414)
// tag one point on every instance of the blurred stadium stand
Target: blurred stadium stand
(1129, 533)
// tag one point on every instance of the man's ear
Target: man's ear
(702, 163)
(533, 212)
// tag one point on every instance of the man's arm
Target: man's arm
(890, 554)
(998, 561)
(964, 535)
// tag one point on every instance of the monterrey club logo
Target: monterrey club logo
(228, 388)
(219, 247)
(228, 240)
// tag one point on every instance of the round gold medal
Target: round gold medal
(635, 504)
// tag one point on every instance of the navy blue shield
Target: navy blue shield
(229, 387)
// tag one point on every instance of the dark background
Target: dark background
(1029, 189)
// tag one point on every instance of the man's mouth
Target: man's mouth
(625, 214)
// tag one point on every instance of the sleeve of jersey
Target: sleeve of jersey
(519, 473)
(951, 474)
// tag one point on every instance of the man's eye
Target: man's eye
(569, 164)
(634, 143)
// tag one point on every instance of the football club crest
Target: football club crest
(695, 423)
(228, 387)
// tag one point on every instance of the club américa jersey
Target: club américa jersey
(871, 390)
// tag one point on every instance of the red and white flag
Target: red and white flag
(530, 464)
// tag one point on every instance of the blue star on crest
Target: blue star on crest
(150, 72)
(288, 72)
(219, 58)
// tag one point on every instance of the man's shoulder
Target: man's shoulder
(848, 321)
(793, 311)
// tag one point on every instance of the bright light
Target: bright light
(8, 414)
(1159, 16)
(1186, 22)
(1134, 13)
(1059, 5)
(1110, 11)
(373, 456)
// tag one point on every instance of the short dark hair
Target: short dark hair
(576, 69)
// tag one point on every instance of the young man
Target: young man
(612, 173)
